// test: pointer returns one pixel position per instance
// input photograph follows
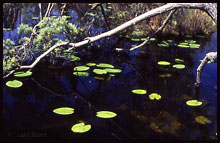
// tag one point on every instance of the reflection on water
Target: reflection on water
(27, 111)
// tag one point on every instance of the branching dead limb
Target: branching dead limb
(211, 56)
(158, 30)
(160, 10)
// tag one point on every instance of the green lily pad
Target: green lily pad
(164, 63)
(162, 45)
(14, 83)
(113, 70)
(81, 128)
(202, 120)
(193, 103)
(143, 39)
(91, 64)
(64, 111)
(81, 73)
(179, 66)
(190, 41)
(104, 65)
(153, 96)
(194, 45)
(152, 39)
(179, 60)
(74, 58)
(81, 68)
(139, 91)
(135, 39)
(22, 74)
(105, 114)
(7, 29)
(99, 71)
(183, 46)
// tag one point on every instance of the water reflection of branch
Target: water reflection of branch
(47, 89)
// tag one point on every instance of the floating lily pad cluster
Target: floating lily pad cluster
(99, 69)
(189, 44)
(17, 83)
(152, 96)
(82, 127)
(177, 66)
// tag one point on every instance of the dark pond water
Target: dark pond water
(27, 111)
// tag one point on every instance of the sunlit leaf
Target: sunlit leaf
(104, 65)
(139, 91)
(64, 111)
(179, 66)
(164, 63)
(35, 17)
(153, 96)
(183, 46)
(81, 68)
(14, 83)
(99, 71)
(202, 120)
(22, 74)
(105, 114)
(81, 128)
(91, 64)
(194, 45)
(81, 73)
(179, 60)
(74, 58)
(193, 103)
(113, 70)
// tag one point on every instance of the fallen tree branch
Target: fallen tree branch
(211, 56)
(138, 19)
(160, 29)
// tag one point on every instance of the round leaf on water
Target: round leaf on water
(183, 46)
(64, 111)
(193, 103)
(91, 64)
(99, 71)
(164, 63)
(81, 68)
(179, 60)
(104, 65)
(74, 58)
(139, 91)
(80, 128)
(153, 96)
(202, 120)
(105, 114)
(14, 83)
(81, 73)
(179, 66)
(194, 45)
(152, 39)
(113, 70)
(22, 74)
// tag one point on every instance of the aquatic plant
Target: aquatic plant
(99, 71)
(22, 74)
(139, 91)
(64, 111)
(81, 128)
(202, 120)
(81, 73)
(105, 114)
(164, 63)
(14, 83)
(113, 70)
(104, 65)
(81, 68)
(179, 66)
(153, 96)
(193, 103)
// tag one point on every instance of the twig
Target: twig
(158, 30)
